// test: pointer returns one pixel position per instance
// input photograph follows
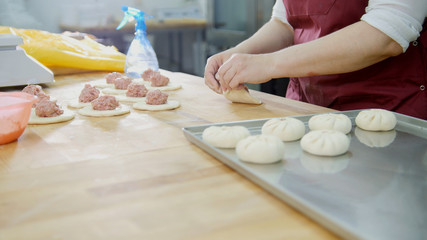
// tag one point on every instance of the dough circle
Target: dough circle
(287, 129)
(333, 121)
(325, 142)
(169, 105)
(124, 98)
(225, 136)
(102, 84)
(67, 115)
(261, 149)
(90, 112)
(376, 120)
(169, 87)
(114, 91)
(77, 104)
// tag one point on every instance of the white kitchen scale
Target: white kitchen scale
(16, 67)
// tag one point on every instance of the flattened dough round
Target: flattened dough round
(262, 149)
(241, 96)
(114, 91)
(376, 120)
(102, 84)
(325, 142)
(169, 87)
(333, 121)
(124, 98)
(77, 104)
(287, 129)
(225, 136)
(169, 105)
(90, 112)
(36, 120)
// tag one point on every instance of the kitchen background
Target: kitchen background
(189, 32)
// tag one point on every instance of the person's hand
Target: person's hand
(244, 68)
(212, 65)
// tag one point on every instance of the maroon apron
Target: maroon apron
(397, 83)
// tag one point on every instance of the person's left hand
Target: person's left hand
(244, 68)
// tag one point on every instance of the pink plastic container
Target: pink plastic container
(15, 110)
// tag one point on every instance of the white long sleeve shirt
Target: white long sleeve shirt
(401, 20)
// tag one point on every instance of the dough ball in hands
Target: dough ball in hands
(325, 142)
(376, 120)
(224, 136)
(334, 121)
(262, 149)
(287, 129)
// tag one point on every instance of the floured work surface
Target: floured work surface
(377, 190)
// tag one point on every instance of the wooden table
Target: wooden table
(137, 177)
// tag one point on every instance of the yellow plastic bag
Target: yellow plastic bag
(57, 51)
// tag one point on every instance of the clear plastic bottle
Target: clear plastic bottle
(140, 56)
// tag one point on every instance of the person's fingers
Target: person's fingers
(235, 82)
(240, 86)
(220, 76)
(212, 83)
(210, 71)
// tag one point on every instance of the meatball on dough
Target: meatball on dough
(36, 120)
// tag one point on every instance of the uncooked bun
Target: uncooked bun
(334, 121)
(376, 120)
(287, 129)
(261, 149)
(325, 142)
(224, 136)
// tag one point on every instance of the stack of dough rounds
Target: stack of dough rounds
(225, 136)
(376, 120)
(333, 121)
(262, 149)
(325, 142)
(287, 129)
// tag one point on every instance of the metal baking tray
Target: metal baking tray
(377, 190)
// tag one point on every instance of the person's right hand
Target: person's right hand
(212, 65)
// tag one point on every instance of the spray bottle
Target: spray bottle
(141, 55)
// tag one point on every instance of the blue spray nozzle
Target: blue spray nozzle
(131, 14)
